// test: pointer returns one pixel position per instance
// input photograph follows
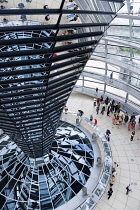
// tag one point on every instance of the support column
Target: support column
(83, 81)
(106, 67)
(126, 99)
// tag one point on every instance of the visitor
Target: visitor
(110, 192)
(117, 124)
(106, 101)
(65, 109)
(133, 124)
(126, 117)
(129, 125)
(119, 107)
(133, 117)
(113, 170)
(132, 136)
(70, 6)
(75, 6)
(113, 102)
(98, 101)
(101, 99)
(129, 188)
(5, 20)
(108, 110)
(108, 134)
(97, 109)
(95, 122)
(115, 165)
(113, 108)
(70, 16)
(96, 90)
(116, 108)
(23, 17)
(28, 1)
(103, 109)
(111, 77)
(94, 102)
(75, 18)
(47, 17)
(113, 178)
(131, 8)
(113, 119)
(80, 112)
(45, 7)
(122, 117)
(120, 120)
(21, 5)
(91, 117)
(2, 7)
(111, 183)
(2, 1)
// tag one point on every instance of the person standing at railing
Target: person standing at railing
(111, 77)
(96, 90)
(131, 8)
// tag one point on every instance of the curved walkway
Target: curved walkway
(123, 41)
(125, 153)
(128, 66)
(115, 83)
(124, 106)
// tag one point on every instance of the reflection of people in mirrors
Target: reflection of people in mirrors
(75, 18)
(2, 1)
(21, 5)
(2, 7)
(47, 17)
(75, 6)
(5, 20)
(23, 17)
(45, 7)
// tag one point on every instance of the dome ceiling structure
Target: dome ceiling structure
(42, 54)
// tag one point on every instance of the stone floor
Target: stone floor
(125, 153)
